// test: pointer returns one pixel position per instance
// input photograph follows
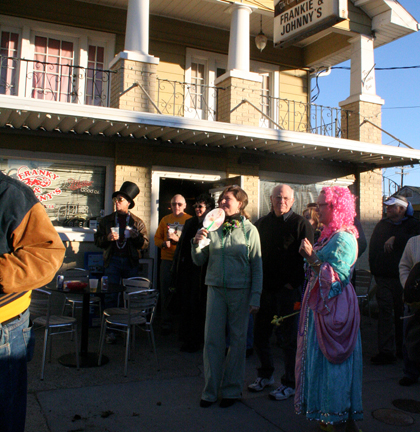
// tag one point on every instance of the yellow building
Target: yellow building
(175, 96)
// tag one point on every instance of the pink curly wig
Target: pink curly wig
(343, 203)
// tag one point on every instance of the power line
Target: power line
(380, 69)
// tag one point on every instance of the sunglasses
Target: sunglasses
(177, 204)
(120, 199)
(199, 206)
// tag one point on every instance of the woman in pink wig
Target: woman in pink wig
(329, 355)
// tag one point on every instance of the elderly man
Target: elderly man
(386, 247)
(31, 252)
(281, 233)
(166, 238)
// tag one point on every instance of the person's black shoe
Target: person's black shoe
(249, 352)
(226, 403)
(383, 359)
(406, 381)
(205, 403)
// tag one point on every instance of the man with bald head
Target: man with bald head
(166, 238)
(281, 232)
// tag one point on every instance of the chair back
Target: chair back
(134, 283)
(363, 283)
(40, 305)
(142, 303)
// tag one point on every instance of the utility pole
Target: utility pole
(402, 176)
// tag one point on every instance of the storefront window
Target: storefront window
(72, 195)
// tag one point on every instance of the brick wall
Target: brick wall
(236, 90)
(129, 72)
(370, 193)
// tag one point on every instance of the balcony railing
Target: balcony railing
(62, 82)
(83, 85)
(306, 117)
(187, 100)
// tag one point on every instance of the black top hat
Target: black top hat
(129, 190)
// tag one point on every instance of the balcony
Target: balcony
(54, 81)
(83, 85)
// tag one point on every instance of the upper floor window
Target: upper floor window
(201, 70)
(54, 63)
(8, 62)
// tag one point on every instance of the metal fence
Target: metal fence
(62, 82)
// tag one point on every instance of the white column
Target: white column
(137, 29)
(362, 75)
(136, 45)
(239, 38)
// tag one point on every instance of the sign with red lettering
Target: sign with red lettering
(38, 180)
(295, 20)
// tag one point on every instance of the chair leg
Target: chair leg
(152, 337)
(76, 346)
(127, 351)
(44, 354)
(102, 330)
(101, 342)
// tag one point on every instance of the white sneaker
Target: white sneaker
(260, 383)
(281, 393)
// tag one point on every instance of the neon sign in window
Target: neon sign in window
(71, 194)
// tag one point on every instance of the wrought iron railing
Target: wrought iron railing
(70, 83)
(63, 82)
(187, 100)
(306, 117)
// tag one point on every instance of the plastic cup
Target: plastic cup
(115, 230)
(93, 284)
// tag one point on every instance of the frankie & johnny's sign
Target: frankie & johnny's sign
(295, 20)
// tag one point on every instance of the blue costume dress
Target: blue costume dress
(329, 356)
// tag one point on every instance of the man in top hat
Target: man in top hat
(386, 247)
(122, 235)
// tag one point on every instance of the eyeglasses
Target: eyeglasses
(177, 204)
(120, 199)
(199, 206)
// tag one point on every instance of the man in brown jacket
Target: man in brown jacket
(31, 252)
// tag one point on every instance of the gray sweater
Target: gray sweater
(233, 266)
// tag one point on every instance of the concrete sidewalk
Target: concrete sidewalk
(101, 399)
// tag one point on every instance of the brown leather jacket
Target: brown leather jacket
(134, 244)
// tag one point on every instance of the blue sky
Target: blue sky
(399, 88)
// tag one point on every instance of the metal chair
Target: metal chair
(132, 284)
(75, 301)
(40, 309)
(362, 287)
(140, 311)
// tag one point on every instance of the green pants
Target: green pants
(225, 307)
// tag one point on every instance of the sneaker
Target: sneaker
(281, 393)
(260, 384)
(110, 338)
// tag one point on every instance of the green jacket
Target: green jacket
(237, 263)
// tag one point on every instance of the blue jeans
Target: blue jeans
(119, 268)
(16, 349)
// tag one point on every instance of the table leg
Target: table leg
(86, 358)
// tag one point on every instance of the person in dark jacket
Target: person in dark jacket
(31, 253)
(281, 233)
(122, 235)
(386, 247)
(188, 279)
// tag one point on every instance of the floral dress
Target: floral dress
(329, 354)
